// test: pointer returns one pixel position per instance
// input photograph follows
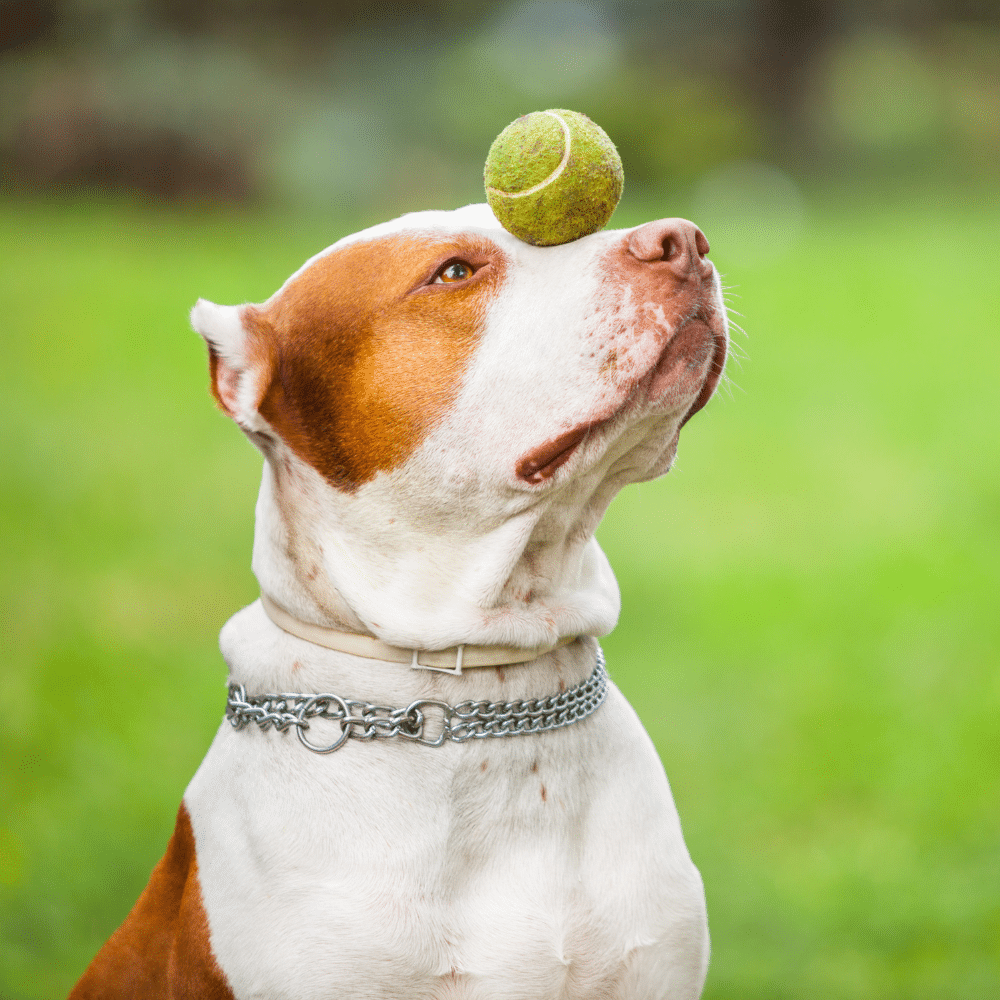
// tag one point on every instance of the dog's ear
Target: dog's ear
(237, 357)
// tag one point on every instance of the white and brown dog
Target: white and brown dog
(446, 413)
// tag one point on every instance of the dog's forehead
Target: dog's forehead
(471, 219)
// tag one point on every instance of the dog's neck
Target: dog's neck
(353, 562)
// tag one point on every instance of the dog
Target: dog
(445, 414)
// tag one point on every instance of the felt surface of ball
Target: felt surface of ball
(552, 177)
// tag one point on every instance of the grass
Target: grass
(809, 627)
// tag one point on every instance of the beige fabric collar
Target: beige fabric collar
(449, 661)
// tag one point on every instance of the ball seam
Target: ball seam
(567, 140)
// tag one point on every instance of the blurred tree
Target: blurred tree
(785, 39)
(311, 20)
(24, 23)
(309, 101)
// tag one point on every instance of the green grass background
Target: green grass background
(810, 624)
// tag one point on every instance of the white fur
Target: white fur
(530, 867)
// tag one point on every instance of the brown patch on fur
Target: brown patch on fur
(610, 364)
(545, 794)
(501, 674)
(482, 767)
(162, 951)
(534, 767)
(367, 353)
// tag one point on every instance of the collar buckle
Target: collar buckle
(455, 671)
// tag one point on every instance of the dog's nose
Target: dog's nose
(678, 242)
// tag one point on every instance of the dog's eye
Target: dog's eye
(455, 270)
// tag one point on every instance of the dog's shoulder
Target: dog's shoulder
(162, 950)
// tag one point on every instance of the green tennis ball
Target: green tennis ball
(552, 177)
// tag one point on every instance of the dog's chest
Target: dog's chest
(486, 871)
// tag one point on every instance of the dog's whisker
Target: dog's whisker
(730, 384)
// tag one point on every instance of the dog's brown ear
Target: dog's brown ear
(237, 357)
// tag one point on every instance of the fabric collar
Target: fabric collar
(449, 661)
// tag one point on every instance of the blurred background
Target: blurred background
(326, 105)
(810, 598)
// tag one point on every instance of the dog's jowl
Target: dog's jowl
(425, 786)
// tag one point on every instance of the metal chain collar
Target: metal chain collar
(470, 720)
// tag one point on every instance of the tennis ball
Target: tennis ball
(552, 177)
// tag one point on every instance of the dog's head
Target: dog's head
(446, 413)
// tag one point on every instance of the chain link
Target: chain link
(425, 721)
